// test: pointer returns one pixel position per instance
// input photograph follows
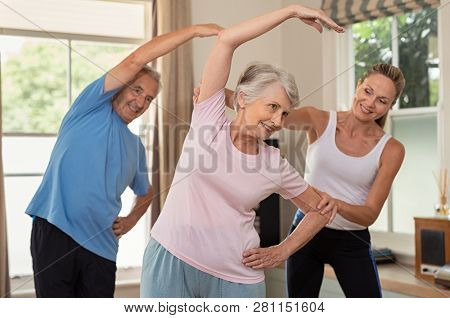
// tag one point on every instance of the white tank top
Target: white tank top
(344, 177)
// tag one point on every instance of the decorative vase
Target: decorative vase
(442, 207)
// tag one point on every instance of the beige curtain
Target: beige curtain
(346, 12)
(4, 271)
(172, 116)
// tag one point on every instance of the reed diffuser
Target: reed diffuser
(442, 181)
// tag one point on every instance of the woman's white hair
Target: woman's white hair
(257, 77)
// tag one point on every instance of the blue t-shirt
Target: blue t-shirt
(95, 158)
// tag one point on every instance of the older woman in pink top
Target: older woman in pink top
(225, 170)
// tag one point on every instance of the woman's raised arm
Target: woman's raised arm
(217, 68)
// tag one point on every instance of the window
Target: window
(414, 192)
(41, 77)
(22, 177)
(34, 73)
(372, 44)
(410, 42)
(91, 59)
(418, 58)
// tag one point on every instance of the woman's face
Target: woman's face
(265, 115)
(373, 97)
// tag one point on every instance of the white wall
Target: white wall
(302, 55)
(444, 52)
(293, 45)
(266, 48)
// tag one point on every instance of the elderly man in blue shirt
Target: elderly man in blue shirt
(74, 240)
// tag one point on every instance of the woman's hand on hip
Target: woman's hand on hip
(259, 258)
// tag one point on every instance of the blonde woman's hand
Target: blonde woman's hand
(228, 95)
(328, 206)
(196, 92)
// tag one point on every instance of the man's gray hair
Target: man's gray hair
(147, 70)
(153, 74)
(257, 77)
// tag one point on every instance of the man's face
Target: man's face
(135, 98)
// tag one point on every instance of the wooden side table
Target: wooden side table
(432, 235)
